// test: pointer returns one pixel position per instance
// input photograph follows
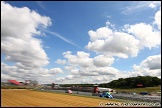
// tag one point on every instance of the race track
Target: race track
(29, 98)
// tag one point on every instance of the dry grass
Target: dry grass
(28, 98)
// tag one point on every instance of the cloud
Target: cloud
(146, 34)
(21, 74)
(69, 77)
(152, 62)
(20, 45)
(154, 4)
(17, 33)
(55, 71)
(92, 74)
(81, 67)
(100, 33)
(102, 61)
(126, 42)
(63, 38)
(42, 75)
(158, 19)
(114, 43)
(41, 5)
(140, 5)
(108, 24)
(74, 71)
(59, 61)
(107, 43)
(60, 79)
(95, 71)
(81, 59)
(103, 79)
(151, 66)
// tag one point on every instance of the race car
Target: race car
(106, 94)
(69, 91)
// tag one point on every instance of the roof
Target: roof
(15, 82)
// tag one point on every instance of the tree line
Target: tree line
(133, 82)
(77, 85)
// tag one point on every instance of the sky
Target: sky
(80, 42)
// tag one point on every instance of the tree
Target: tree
(131, 82)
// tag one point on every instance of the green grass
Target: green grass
(137, 90)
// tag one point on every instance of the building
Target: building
(14, 82)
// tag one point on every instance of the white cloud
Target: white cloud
(139, 6)
(102, 61)
(108, 24)
(145, 72)
(102, 79)
(92, 74)
(81, 73)
(42, 75)
(82, 67)
(17, 35)
(146, 34)
(154, 4)
(59, 61)
(41, 4)
(55, 71)
(69, 77)
(152, 62)
(112, 42)
(158, 19)
(63, 38)
(19, 28)
(81, 59)
(60, 79)
(74, 71)
(100, 33)
(151, 5)
(19, 50)
(17, 73)
(5, 76)
(95, 45)
(94, 71)
(119, 44)
(70, 67)
(151, 66)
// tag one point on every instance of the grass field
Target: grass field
(29, 98)
(137, 90)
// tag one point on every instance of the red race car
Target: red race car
(69, 91)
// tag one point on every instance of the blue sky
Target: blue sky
(80, 41)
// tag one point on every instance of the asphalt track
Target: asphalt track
(137, 97)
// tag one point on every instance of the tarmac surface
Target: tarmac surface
(137, 97)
